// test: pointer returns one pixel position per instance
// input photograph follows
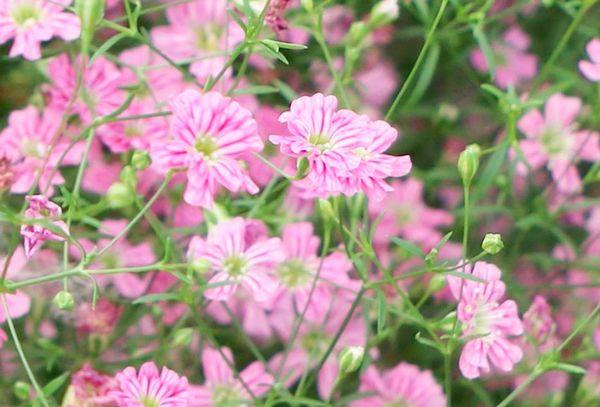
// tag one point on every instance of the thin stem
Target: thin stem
(417, 65)
(530, 379)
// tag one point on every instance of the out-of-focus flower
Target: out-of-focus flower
(513, 64)
(487, 322)
(235, 263)
(90, 388)
(149, 387)
(26, 147)
(337, 20)
(200, 32)
(18, 304)
(30, 22)
(402, 385)
(552, 140)
(591, 69)
(274, 17)
(209, 134)
(99, 320)
(35, 234)
(221, 388)
(537, 320)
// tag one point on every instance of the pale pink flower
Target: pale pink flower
(487, 322)
(35, 234)
(404, 213)
(210, 133)
(30, 22)
(377, 80)
(200, 32)
(512, 62)
(221, 388)
(234, 262)
(403, 385)
(537, 320)
(552, 139)
(26, 144)
(591, 69)
(337, 20)
(18, 304)
(100, 92)
(149, 387)
(100, 319)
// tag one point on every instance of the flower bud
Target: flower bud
(183, 337)
(301, 168)
(64, 300)
(307, 4)
(326, 209)
(128, 176)
(119, 195)
(468, 163)
(384, 12)
(437, 282)
(90, 12)
(140, 160)
(351, 358)
(492, 243)
(22, 390)
(357, 33)
(200, 266)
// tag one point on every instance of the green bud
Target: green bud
(64, 300)
(201, 266)
(492, 243)
(326, 209)
(432, 256)
(301, 168)
(384, 12)
(468, 163)
(119, 195)
(90, 12)
(437, 282)
(128, 176)
(183, 337)
(351, 358)
(22, 390)
(307, 4)
(357, 33)
(140, 160)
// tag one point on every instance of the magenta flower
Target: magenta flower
(26, 144)
(487, 322)
(591, 69)
(100, 92)
(513, 64)
(29, 22)
(234, 262)
(552, 140)
(403, 385)
(90, 388)
(221, 388)
(149, 387)
(200, 32)
(210, 133)
(35, 234)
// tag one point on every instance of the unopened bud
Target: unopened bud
(492, 243)
(326, 209)
(90, 12)
(140, 160)
(307, 4)
(22, 390)
(64, 300)
(351, 358)
(301, 168)
(201, 266)
(119, 195)
(437, 282)
(384, 12)
(468, 163)
(183, 337)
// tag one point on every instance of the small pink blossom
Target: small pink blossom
(210, 133)
(99, 320)
(35, 234)
(513, 64)
(221, 388)
(149, 387)
(537, 320)
(402, 385)
(591, 69)
(90, 388)
(18, 304)
(552, 139)
(27, 145)
(487, 322)
(234, 262)
(30, 22)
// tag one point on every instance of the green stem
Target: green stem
(420, 58)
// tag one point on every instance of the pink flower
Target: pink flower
(36, 234)
(487, 323)
(221, 388)
(538, 322)
(234, 262)
(18, 304)
(100, 92)
(26, 143)
(336, 23)
(552, 140)
(513, 64)
(210, 133)
(150, 388)
(201, 32)
(404, 212)
(90, 388)
(29, 22)
(100, 320)
(591, 69)
(402, 385)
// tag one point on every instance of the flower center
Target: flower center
(397, 403)
(226, 396)
(148, 401)
(553, 142)
(321, 141)
(234, 265)
(207, 37)
(133, 131)
(403, 215)
(206, 145)
(293, 273)
(32, 148)
(314, 343)
(363, 153)
(26, 15)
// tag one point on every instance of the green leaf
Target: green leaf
(256, 90)
(284, 45)
(464, 276)
(484, 44)
(566, 367)
(381, 311)
(156, 297)
(108, 44)
(427, 342)
(426, 75)
(490, 172)
(55, 384)
(274, 52)
(409, 247)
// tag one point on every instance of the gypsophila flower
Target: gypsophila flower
(35, 234)
(591, 69)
